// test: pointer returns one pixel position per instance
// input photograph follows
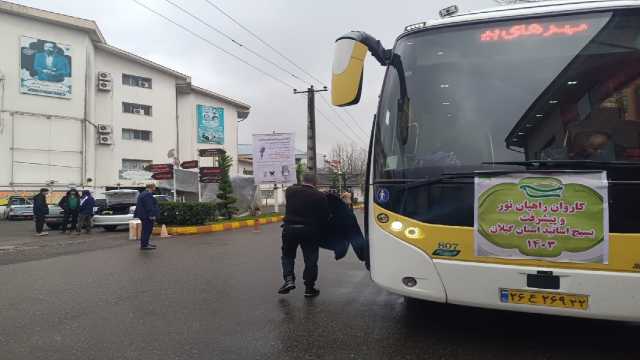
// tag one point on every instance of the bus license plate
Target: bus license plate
(541, 298)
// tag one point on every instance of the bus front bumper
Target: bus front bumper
(611, 295)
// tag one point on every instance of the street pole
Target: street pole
(276, 198)
(175, 190)
(311, 127)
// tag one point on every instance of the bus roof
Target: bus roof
(524, 9)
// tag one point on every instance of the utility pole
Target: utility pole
(311, 127)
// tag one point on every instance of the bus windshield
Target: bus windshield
(562, 88)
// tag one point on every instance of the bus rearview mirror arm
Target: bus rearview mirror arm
(386, 57)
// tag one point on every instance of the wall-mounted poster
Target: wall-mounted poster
(45, 68)
(210, 125)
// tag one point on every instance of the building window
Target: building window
(137, 81)
(133, 164)
(132, 134)
(132, 108)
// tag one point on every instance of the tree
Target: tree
(225, 190)
(349, 163)
(300, 168)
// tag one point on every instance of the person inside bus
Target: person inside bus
(595, 146)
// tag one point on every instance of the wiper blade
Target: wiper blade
(453, 177)
(572, 163)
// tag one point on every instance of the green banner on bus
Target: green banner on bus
(557, 217)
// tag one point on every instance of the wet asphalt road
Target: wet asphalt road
(214, 297)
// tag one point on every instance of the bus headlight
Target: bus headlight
(413, 233)
(397, 226)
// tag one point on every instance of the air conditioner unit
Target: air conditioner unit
(104, 85)
(145, 84)
(105, 139)
(138, 111)
(104, 76)
(104, 129)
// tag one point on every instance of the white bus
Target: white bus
(504, 167)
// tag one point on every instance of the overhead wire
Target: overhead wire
(356, 122)
(322, 114)
(274, 49)
(211, 43)
(238, 43)
(345, 135)
(341, 118)
(264, 42)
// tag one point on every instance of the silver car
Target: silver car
(120, 205)
(19, 208)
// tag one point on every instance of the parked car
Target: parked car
(117, 210)
(54, 218)
(19, 207)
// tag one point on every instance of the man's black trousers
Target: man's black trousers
(39, 219)
(147, 229)
(70, 215)
(307, 238)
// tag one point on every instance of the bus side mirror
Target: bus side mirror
(348, 72)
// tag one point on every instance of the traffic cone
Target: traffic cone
(163, 232)
(256, 225)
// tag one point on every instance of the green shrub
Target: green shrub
(174, 213)
(225, 193)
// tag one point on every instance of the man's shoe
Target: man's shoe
(148, 247)
(310, 292)
(287, 286)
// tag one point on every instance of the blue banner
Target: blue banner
(210, 125)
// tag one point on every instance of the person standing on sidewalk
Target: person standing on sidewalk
(147, 211)
(87, 203)
(70, 203)
(40, 210)
(306, 215)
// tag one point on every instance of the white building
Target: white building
(75, 111)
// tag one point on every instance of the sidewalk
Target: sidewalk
(204, 229)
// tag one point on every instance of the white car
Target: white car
(118, 211)
(121, 205)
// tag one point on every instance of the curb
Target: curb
(205, 229)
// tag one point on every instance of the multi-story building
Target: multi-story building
(76, 111)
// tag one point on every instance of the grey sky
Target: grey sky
(303, 30)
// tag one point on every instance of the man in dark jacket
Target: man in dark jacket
(147, 210)
(70, 204)
(306, 215)
(40, 210)
(87, 203)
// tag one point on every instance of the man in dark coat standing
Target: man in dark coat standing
(87, 203)
(70, 204)
(306, 215)
(147, 211)
(40, 210)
